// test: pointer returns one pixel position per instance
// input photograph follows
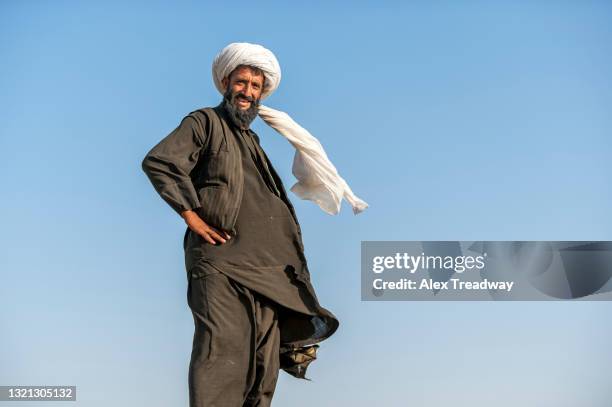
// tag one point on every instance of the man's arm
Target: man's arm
(169, 163)
(168, 166)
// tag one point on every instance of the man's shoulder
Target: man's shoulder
(202, 119)
(202, 113)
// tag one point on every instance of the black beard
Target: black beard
(241, 118)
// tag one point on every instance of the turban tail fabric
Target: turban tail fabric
(318, 179)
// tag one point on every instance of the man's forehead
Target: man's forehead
(245, 70)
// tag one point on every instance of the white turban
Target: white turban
(318, 179)
(242, 53)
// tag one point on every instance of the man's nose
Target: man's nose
(248, 90)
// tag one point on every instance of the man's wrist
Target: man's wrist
(187, 213)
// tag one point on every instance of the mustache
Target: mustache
(242, 95)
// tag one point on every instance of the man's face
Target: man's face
(245, 86)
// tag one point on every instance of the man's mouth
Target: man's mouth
(243, 101)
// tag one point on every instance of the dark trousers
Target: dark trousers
(235, 355)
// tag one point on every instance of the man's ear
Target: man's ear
(225, 82)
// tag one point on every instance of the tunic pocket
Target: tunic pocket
(213, 168)
(216, 208)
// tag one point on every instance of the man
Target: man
(255, 310)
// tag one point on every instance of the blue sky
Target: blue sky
(454, 121)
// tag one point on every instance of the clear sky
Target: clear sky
(454, 121)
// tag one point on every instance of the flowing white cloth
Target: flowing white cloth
(318, 179)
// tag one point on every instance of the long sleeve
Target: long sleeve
(168, 165)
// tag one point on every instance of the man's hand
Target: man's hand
(197, 224)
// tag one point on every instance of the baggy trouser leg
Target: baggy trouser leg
(234, 360)
(267, 362)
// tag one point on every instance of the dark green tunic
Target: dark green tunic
(264, 255)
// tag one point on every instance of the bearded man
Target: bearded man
(255, 310)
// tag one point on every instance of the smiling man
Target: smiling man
(255, 310)
(243, 92)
